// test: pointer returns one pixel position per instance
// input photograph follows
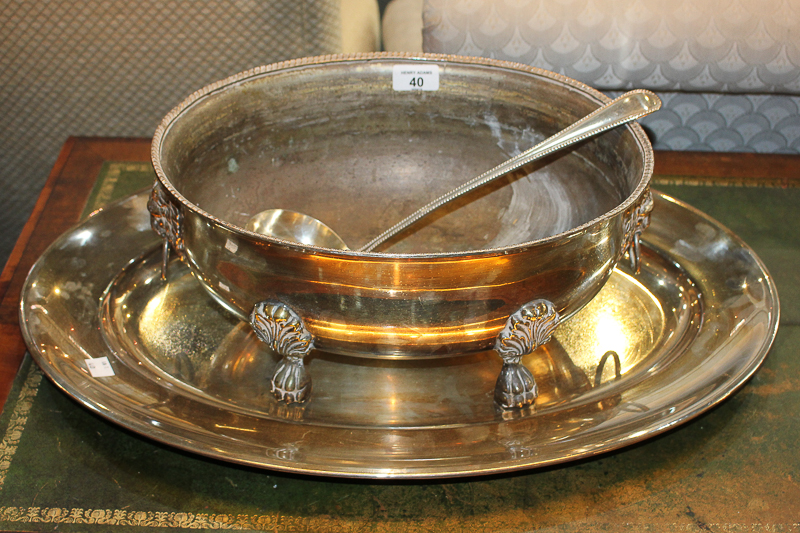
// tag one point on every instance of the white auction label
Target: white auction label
(99, 367)
(412, 77)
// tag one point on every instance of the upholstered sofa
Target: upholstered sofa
(727, 71)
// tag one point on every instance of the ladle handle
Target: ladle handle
(623, 109)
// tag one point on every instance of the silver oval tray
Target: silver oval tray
(688, 330)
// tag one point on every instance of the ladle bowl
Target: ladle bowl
(297, 227)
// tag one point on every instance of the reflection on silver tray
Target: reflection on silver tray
(689, 329)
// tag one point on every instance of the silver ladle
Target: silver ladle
(299, 227)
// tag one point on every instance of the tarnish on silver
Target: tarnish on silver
(166, 220)
(635, 223)
(278, 326)
(525, 330)
(623, 109)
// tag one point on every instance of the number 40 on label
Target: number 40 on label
(411, 77)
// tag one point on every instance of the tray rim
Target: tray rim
(132, 422)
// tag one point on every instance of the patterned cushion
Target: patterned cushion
(726, 122)
(700, 45)
(727, 71)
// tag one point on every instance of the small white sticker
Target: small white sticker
(224, 287)
(99, 367)
(415, 77)
(231, 246)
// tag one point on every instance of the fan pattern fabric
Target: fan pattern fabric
(729, 71)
